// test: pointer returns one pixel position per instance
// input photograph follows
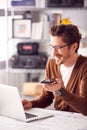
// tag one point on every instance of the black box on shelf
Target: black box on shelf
(27, 48)
(64, 3)
(29, 61)
(23, 2)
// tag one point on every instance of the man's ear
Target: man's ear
(75, 46)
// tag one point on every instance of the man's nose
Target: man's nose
(55, 51)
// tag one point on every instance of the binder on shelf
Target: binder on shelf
(37, 30)
(46, 27)
(23, 2)
(55, 19)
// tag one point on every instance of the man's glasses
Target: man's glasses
(58, 47)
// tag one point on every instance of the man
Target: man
(68, 69)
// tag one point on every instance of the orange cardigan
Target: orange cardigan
(74, 96)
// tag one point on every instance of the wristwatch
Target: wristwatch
(59, 92)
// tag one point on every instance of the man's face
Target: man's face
(61, 51)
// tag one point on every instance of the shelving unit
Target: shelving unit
(12, 13)
(33, 71)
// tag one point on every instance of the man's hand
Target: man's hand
(52, 87)
(26, 104)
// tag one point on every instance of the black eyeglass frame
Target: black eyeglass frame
(58, 47)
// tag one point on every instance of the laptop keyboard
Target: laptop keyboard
(28, 115)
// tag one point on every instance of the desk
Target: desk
(60, 121)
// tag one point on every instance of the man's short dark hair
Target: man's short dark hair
(69, 33)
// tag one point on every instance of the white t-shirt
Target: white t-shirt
(66, 73)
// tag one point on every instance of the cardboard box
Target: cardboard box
(32, 89)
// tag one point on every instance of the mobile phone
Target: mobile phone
(48, 81)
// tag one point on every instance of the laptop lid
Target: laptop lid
(11, 106)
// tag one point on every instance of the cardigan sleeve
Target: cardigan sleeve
(46, 98)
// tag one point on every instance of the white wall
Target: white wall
(3, 38)
(77, 17)
(3, 3)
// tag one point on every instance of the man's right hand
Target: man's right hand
(26, 104)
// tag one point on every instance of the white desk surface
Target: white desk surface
(60, 121)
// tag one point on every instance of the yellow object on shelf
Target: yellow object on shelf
(66, 21)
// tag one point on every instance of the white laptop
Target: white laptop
(11, 106)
